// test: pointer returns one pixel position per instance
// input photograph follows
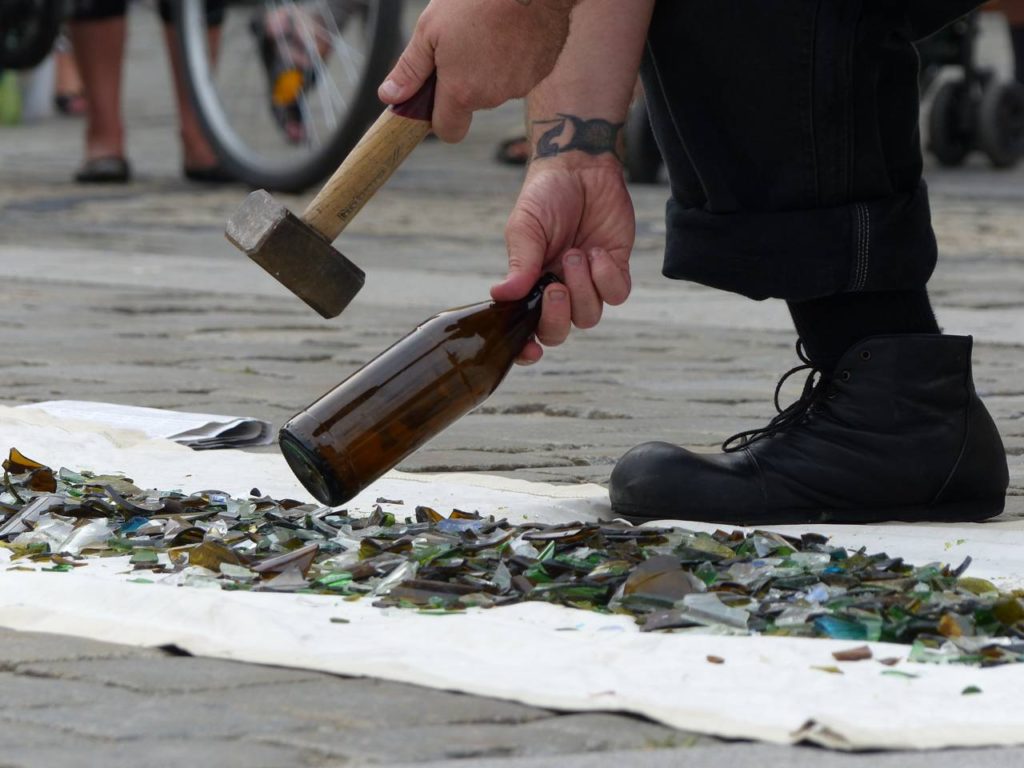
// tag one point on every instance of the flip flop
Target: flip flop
(515, 151)
(104, 170)
(214, 174)
(70, 104)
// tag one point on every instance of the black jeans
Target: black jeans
(790, 133)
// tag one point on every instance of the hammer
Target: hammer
(298, 251)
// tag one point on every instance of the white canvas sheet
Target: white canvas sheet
(536, 653)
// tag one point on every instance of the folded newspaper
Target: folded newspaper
(200, 431)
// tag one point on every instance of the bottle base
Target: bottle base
(314, 474)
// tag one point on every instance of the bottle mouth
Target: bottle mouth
(533, 298)
(315, 476)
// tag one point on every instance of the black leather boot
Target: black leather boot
(897, 432)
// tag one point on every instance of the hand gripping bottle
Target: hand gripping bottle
(391, 406)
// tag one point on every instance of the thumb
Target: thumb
(412, 70)
(527, 247)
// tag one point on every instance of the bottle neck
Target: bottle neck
(536, 295)
(526, 312)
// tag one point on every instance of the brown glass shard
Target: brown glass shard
(18, 463)
(860, 653)
(661, 579)
(210, 554)
(950, 626)
(428, 515)
(301, 559)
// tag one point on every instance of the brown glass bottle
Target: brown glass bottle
(399, 400)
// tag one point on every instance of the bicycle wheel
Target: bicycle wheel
(28, 29)
(294, 84)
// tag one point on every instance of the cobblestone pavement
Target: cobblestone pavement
(130, 294)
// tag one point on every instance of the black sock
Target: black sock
(831, 325)
(1017, 35)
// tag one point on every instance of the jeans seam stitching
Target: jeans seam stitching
(858, 279)
(867, 248)
(859, 247)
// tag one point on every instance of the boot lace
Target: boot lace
(794, 413)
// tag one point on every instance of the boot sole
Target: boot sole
(955, 512)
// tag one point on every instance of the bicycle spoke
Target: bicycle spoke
(327, 16)
(322, 76)
(341, 45)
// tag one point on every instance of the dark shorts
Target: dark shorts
(94, 10)
(790, 133)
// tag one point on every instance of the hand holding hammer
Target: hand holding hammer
(297, 251)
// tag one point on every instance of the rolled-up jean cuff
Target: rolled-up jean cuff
(874, 245)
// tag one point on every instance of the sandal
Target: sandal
(70, 104)
(104, 170)
(515, 151)
(213, 174)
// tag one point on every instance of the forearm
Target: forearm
(581, 106)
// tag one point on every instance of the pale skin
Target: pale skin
(485, 52)
(574, 215)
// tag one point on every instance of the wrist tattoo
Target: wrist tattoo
(568, 133)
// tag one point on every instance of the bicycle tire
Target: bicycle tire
(31, 39)
(295, 175)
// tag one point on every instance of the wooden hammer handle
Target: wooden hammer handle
(371, 162)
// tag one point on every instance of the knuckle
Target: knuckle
(461, 96)
(524, 228)
(406, 69)
(451, 132)
(588, 318)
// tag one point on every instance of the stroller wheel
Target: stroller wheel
(950, 134)
(1001, 123)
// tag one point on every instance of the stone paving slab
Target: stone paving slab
(744, 756)
(171, 674)
(556, 736)
(62, 750)
(100, 702)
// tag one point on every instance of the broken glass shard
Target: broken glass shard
(667, 579)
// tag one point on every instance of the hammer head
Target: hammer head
(297, 255)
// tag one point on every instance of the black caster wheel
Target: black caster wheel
(28, 29)
(950, 128)
(1001, 123)
(643, 158)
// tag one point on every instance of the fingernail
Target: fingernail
(594, 253)
(390, 89)
(574, 258)
(556, 296)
